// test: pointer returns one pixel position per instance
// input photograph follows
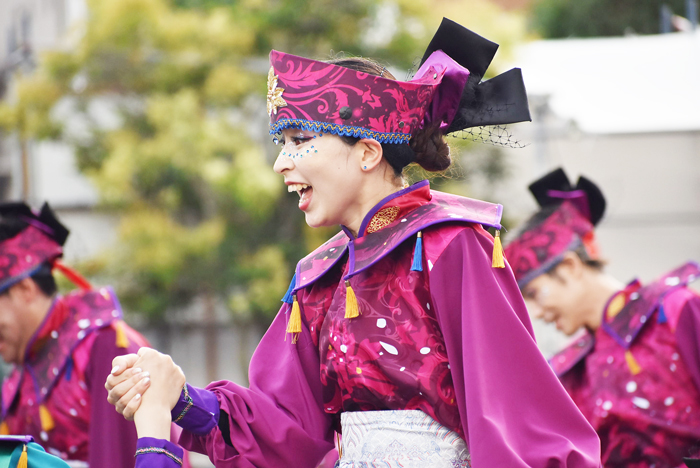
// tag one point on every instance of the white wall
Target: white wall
(651, 182)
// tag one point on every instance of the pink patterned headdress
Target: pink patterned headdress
(447, 88)
(565, 223)
(39, 242)
(21, 256)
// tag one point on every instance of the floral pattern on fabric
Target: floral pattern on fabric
(393, 355)
(22, 254)
(347, 102)
(383, 218)
(645, 417)
(626, 324)
(400, 439)
(365, 251)
(53, 376)
(536, 250)
(390, 357)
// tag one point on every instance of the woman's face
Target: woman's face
(325, 172)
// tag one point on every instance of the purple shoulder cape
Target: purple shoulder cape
(566, 359)
(628, 323)
(367, 250)
(88, 311)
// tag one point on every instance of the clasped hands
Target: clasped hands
(145, 387)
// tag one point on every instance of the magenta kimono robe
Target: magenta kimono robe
(637, 379)
(450, 336)
(63, 377)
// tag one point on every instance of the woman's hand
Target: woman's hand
(152, 409)
(126, 384)
(166, 378)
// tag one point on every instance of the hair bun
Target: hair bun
(431, 149)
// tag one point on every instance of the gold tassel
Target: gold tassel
(4, 428)
(497, 259)
(46, 420)
(22, 463)
(351, 308)
(632, 363)
(294, 324)
(616, 305)
(122, 339)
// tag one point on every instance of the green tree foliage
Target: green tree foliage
(164, 105)
(590, 18)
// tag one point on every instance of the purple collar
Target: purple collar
(408, 190)
(367, 250)
(627, 324)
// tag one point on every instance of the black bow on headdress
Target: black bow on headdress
(46, 218)
(500, 100)
(548, 189)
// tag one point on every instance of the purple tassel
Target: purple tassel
(418, 254)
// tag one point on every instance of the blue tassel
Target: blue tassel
(662, 315)
(69, 368)
(289, 297)
(418, 254)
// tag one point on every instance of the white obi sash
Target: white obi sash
(399, 439)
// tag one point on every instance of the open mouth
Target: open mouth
(304, 191)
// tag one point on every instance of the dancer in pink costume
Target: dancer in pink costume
(61, 347)
(402, 332)
(635, 374)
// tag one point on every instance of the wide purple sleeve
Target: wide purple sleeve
(682, 308)
(278, 421)
(112, 438)
(157, 453)
(513, 409)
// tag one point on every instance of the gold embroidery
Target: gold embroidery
(383, 218)
(274, 94)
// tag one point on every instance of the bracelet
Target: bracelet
(189, 405)
(167, 453)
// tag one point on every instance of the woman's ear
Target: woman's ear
(371, 153)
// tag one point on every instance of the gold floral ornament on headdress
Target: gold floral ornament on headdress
(274, 94)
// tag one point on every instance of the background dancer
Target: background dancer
(635, 374)
(61, 347)
(398, 331)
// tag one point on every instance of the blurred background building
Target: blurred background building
(155, 135)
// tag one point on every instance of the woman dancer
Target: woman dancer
(398, 331)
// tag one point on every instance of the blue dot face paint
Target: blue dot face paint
(297, 141)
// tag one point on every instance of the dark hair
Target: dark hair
(427, 147)
(580, 251)
(44, 279)
(9, 228)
